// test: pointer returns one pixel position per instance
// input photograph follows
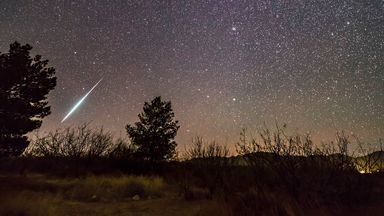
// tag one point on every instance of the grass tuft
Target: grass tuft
(99, 188)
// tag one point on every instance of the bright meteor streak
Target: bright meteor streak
(79, 102)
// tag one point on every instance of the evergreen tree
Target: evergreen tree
(24, 85)
(154, 134)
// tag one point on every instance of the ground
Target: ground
(37, 195)
(115, 195)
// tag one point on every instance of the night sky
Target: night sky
(317, 65)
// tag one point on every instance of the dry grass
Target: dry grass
(102, 188)
(38, 195)
(28, 203)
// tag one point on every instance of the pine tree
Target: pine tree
(154, 134)
(24, 85)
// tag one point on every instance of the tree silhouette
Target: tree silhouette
(154, 134)
(24, 85)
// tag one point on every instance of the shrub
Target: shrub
(79, 142)
(209, 163)
(294, 162)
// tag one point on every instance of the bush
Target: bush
(300, 167)
(79, 142)
(208, 163)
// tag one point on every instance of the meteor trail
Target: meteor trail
(80, 101)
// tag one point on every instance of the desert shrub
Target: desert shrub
(201, 150)
(121, 149)
(293, 162)
(209, 164)
(79, 142)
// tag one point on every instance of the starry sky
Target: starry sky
(317, 65)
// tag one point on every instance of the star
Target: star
(237, 58)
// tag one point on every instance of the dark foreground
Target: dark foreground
(85, 187)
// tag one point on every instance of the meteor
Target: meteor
(80, 101)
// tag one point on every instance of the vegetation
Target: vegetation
(28, 203)
(25, 83)
(38, 195)
(96, 188)
(154, 134)
(275, 173)
(79, 142)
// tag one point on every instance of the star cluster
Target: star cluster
(225, 64)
